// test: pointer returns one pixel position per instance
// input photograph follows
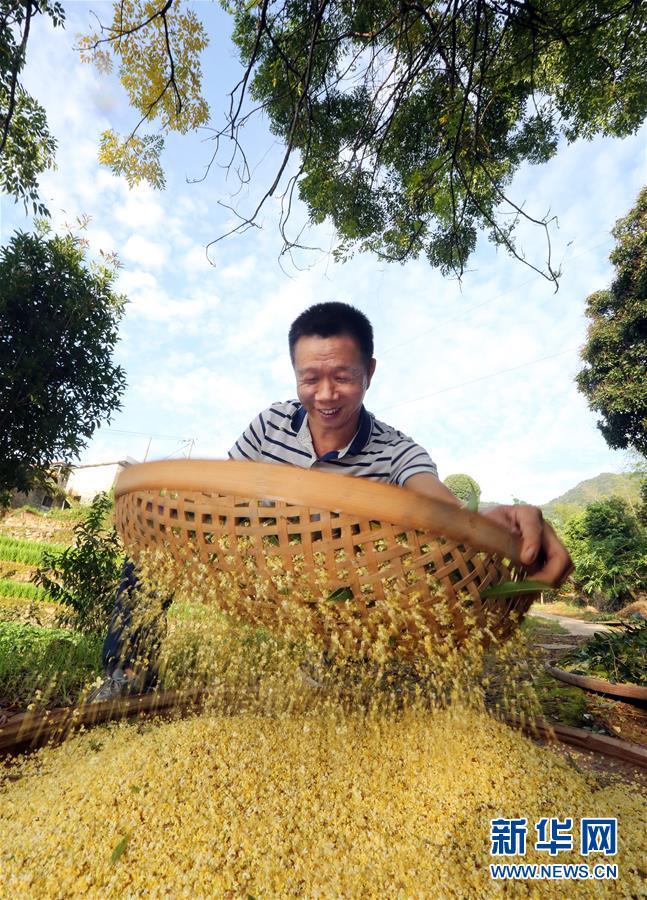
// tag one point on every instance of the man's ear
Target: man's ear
(371, 371)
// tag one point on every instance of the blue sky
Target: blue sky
(479, 373)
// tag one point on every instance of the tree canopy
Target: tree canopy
(614, 378)
(464, 487)
(58, 329)
(402, 124)
(26, 146)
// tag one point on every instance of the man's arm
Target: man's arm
(542, 552)
(431, 486)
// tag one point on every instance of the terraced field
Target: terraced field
(40, 661)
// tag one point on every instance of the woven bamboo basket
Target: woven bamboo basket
(351, 562)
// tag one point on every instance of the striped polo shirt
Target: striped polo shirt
(281, 434)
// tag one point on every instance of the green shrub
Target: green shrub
(615, 656)
(46, 666)
(84, 577)
(609, 549)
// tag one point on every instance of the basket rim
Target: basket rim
(352, 495)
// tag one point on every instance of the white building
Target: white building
(85, 482)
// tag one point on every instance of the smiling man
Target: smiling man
(327, 428)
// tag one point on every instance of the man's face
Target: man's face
(332, 378)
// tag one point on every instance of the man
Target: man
(328, 428)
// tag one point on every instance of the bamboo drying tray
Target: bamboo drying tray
(339, 557)
(626, 690)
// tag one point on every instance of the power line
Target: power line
(187, 444)
(168, 437)
(481, 378)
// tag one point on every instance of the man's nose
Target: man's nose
(327, 389)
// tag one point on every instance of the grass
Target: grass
(560, 702)
(74, 514)
(20, 589)
(535, 627)
(46, 666)
(28, 552)
(36, 612)
(561, 608)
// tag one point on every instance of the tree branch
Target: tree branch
(30, 7)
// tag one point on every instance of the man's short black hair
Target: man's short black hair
(330, 320)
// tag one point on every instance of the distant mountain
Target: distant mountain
(607, 484)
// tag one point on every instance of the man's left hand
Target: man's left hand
(542, 552)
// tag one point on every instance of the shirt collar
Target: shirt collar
(357, 444)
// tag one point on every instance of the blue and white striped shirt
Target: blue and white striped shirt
(280, 434)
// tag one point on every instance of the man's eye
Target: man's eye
(342, 380)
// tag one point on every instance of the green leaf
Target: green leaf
(510, 588)
(119, 849)
(473, 501)
(340, 594)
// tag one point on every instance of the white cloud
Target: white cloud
(194, 262)
(140, 209)
(239, 271)
(148, 254)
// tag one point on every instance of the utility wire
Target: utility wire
(187, 444)
(481, 378)
(169, 437)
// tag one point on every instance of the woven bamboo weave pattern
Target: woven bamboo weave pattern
(341, 575)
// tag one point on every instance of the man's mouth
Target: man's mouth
(329, 413)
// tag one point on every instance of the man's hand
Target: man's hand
(542, 552)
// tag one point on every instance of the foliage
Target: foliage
(158, 47)
(613, 378)
(463, 486)
(26, 147)
(513, 588)
(411, 119)
(559, 514)
(614, 656)
(85, 576)
(609, 550)
(642, 511)
(28, 552)
(408, 120)
(58, 330)
(45, 666)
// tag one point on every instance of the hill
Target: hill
(607, 484)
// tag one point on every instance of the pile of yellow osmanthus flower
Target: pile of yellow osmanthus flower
(311, 805)
(372, 777)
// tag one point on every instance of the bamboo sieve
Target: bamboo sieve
(348, 560)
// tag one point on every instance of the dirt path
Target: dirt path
(573, 626)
